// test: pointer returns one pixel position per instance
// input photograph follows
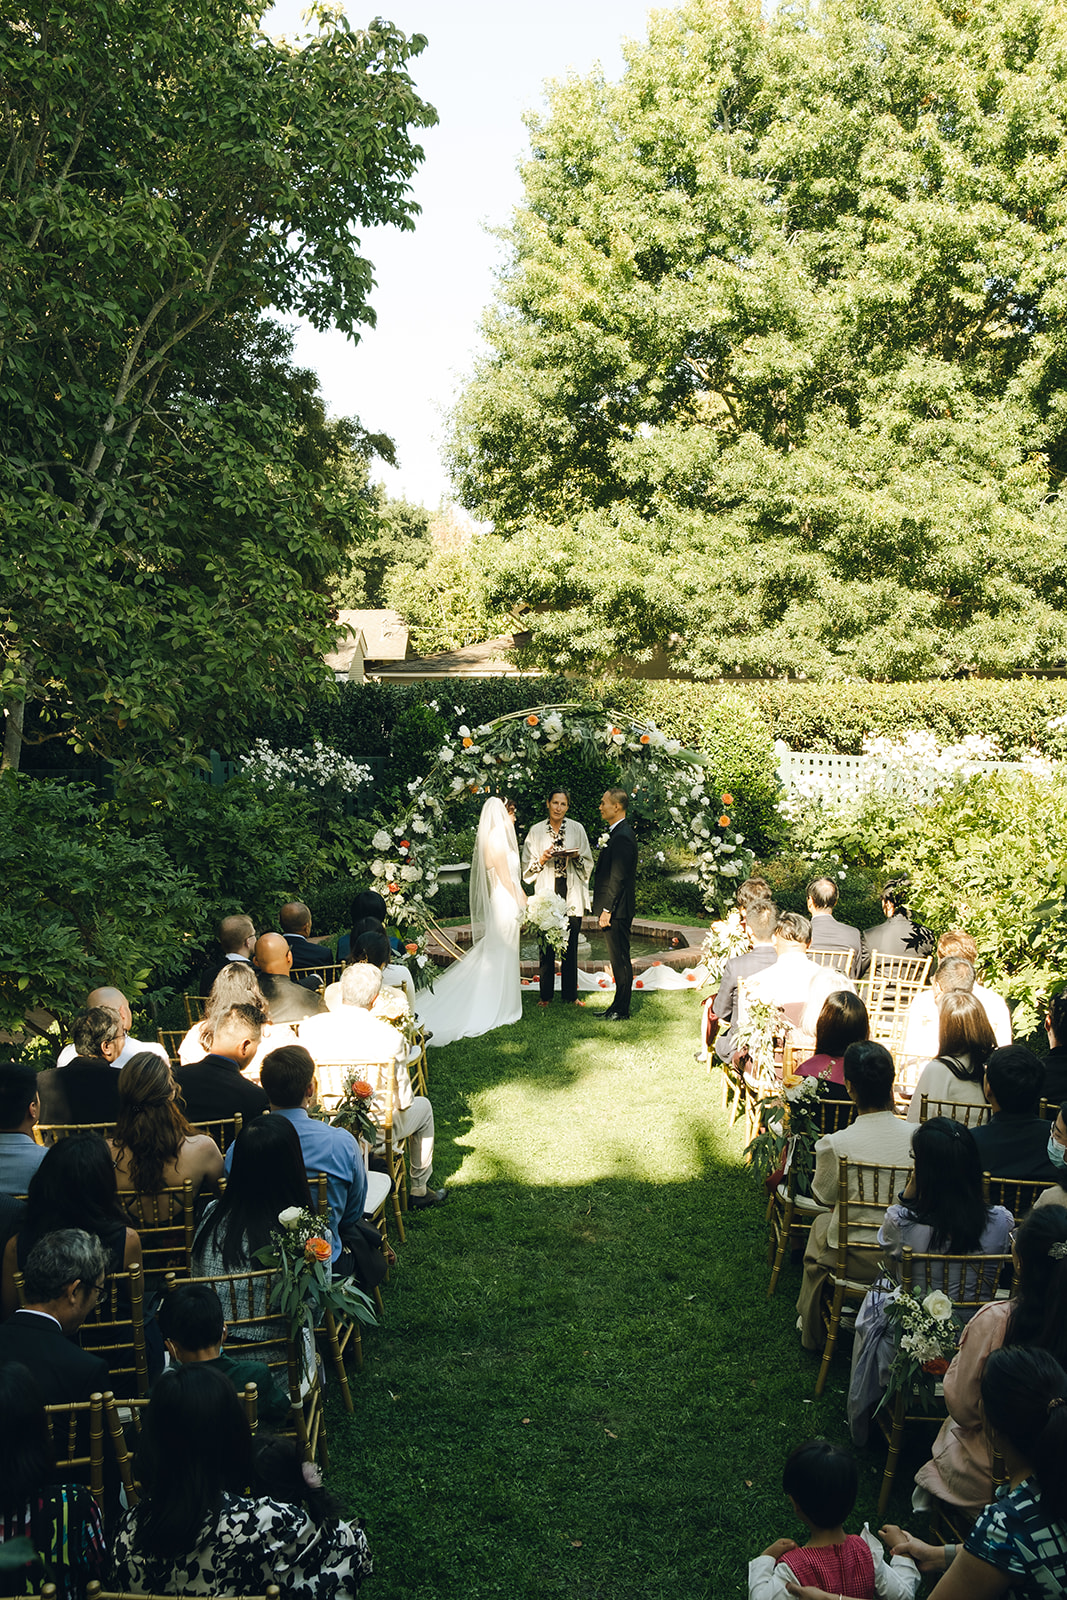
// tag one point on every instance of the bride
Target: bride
(482, 991)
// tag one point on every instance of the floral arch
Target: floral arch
(666, 782)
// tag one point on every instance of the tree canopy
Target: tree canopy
(171, 502)
(776, 375)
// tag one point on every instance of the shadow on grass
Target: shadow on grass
(580, 1387)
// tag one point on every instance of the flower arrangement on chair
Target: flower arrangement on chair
(787, 1124)
(927, 1336)
(304, 1288)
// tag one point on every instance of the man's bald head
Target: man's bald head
(295, 917)
(273, 953)
(115, 1000)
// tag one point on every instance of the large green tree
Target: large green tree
(169, 486)
(776, 372)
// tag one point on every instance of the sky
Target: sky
(485, 64)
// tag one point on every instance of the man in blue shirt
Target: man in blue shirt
(288, 1078)
(20, 1154)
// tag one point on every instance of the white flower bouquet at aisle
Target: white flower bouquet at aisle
(927, 1335)
(546, 915)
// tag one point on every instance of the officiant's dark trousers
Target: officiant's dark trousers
(617, 934)
(568, 969)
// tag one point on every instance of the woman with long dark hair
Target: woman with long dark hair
(942, 1212)
(959, 1471)
(60, 1520)
(842, 1021)
(266, 1177)
(196, 1531)
(965, 1042)
(1018, 1545)
(154, 1147)
(74, 1187)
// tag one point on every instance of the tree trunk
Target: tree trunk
(14, 717)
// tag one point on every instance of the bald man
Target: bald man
(116, 1001)
(289, 1001)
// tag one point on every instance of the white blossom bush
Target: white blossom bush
(317, 766)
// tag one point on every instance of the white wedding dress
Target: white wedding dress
(482, 990)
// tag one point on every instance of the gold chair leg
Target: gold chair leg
(831, 1339)
(895, 1439)
(783, 1245)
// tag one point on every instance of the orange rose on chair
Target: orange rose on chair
(318, 1250)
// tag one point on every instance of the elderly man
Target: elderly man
(87, 1088)
(289, 1001)
(795, 984)
(236, 940)
(116, 1001)
(214, 1086)
(65, 1273)
(350, 1036)
(826, 932)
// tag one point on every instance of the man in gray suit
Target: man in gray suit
(826, 932)
(760, 921)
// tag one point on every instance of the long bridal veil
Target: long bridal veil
(482, 991)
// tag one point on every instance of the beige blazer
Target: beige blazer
(579, 867)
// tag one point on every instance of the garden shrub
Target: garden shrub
(85, 903)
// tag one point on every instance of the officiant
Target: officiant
(556, 859)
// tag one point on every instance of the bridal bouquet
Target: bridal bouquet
(546, 914)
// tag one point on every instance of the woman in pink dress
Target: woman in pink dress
(842, 1021)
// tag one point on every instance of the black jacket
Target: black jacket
(615, 875)
(214, 1088)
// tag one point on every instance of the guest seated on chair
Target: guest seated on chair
(236, 985)
(74, 1187)
(877, 1136)
(193, 1326)
(154, 1147)
(760, 918)
(943, 1212)
(60, 1522)
(826, 932)
(1055, 1062)
(20, 1108)
(965, 1043)
(960, 1472)
(1056, 1195)
(794, 983)
(86, 1089)
(115, 1000)
(236, 940)
(214, 1086)
(308, 956)
(289, 1000)
(1014, 1142)
(64, 1274)
(898, 935)
(351, 1035)
(196, 1531)
(842, 1021)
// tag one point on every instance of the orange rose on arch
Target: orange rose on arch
(394, 888)
(318, 1250)
(412, 949)
(467, 743)
(724, 822)
(645, 738)
(533, 721)
(727, 799)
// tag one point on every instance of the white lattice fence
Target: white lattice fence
(806, 771)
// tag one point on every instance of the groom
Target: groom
(613, 897)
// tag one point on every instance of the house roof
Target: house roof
(385, 638)
(489, 658)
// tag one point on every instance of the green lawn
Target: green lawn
(580, 1387)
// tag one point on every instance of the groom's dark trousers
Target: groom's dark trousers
(614, 891)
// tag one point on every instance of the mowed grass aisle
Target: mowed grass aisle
(580, 1387)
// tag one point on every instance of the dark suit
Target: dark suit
(1014, 1144)
(215, 966)
(615, 891)
(85, 1090)
(63, 1371)
(829, 934)
(289, 1001)
(214, 1088)
(743, 965)
(306, 954)
(899, 936)
(1055, 1065)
